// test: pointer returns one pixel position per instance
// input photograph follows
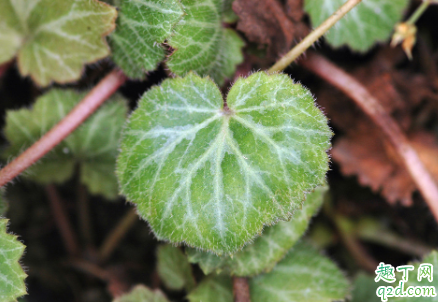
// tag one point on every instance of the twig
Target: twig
(241, 290)
(62, 221)
(371, 106)
(84, 218)
(114, 237)
(67, 125)
(419, 11)
(313, 36)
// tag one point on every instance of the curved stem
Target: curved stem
(113, 239)
(419, 11)
(106, 87)
(301, 47)
(372, 107)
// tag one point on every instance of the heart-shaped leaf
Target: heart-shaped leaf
(371, 21)
(264, 253)
(54, 39)
(174, 269)
(11, 274)
(141, 27)
(93, 145)
(141, 293)
(202, 44)
(212, 175)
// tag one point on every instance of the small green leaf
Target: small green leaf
(371, 21)
(303, 275)
(262, 255)
(11, 274)
(54, 39)
(213, 177)
(174, 269)
(432, 258)
(228, 15)
(213, 289)
(141, 27)
(141, 293)
(364, 289)
(202, 44)
(93, 145)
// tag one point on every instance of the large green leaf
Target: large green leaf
(174, 269)
(54, 39)
(11, 274)
(262, 255)
(364, 25)
(202, 44)
(141, 27)
(212, 177)
(303, 275)
(213, 289)
(93, 145)
(141, 293)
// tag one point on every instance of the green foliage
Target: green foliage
(11, 274)
(364, 289)
(432, 258)
(141, 293)
(174, 269)
(364, 25)
(264, 253)
(3, 203)
(213, 289)
(303, 275)
(54, 39)
(93, 145)
(212, 177)
(202, 44)
(141, 27)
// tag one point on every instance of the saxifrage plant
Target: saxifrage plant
(234, 176)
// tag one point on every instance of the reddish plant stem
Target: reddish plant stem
(62, 221)
(241, 289)
(4, 67)
(371, 106)
(67, 125)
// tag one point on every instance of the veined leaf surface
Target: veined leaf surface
(11, 274)
(93, 145)
(264, 253)
(141, 27)
(54, 39)
(202, 44)
(369, 22)
(213, 176)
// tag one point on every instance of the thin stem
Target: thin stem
(241, 289)
(371, 106)
(117, 234)
(308, 41)
(62, 221)
(84, 217)
(67, 125)
(391, 240)
(418, 12)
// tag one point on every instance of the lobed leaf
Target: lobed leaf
(202, 44)
(213, 289)
(141, 293)
(54, 39)
(264, 253)
(303, 275)
(174, 269)
(11, 274)
(369, 22)
(211, 176)
(141, 26)
(93, 146)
